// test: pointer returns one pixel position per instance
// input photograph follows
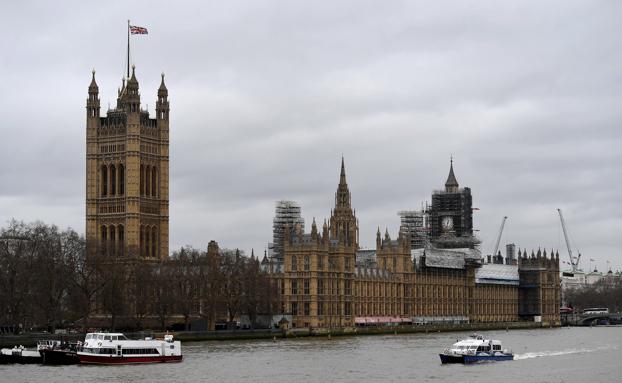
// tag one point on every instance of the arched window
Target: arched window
(147, 180)
(113, 180)
(147, 242)
(306, 263)
(294, 263)
(121, 179)
(104, 233)
(112, 231)
(154, 173)
(121, 239)
(142, 241)
(154, 242)
(142, 180)
(104, 174)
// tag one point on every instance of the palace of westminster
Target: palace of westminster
(431, 272)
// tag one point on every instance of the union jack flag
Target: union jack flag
(138, 30)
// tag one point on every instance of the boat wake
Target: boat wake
(530, 355)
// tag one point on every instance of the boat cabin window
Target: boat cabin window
(107, 337)
(100, 337)
(496, 347)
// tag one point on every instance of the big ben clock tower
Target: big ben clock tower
(451, 216)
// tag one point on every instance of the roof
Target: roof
(497, 274)
(444, 259)
(451, 178)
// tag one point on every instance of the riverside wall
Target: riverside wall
(30, 340)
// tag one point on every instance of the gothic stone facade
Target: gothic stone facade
(323, 286)
(127, 162)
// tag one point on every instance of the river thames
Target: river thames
(577, 354)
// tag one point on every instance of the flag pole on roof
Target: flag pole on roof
(134, 30)
(128, 48)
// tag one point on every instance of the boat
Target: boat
(22, 355)
(475, 349)
(61, 353)
(115, 348)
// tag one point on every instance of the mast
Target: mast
(128, 48)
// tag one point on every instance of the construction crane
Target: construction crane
(494, 253)
(575, 265)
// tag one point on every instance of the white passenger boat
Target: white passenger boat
(475, 349)
(115, 348)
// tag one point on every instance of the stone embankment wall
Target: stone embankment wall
(30, 340)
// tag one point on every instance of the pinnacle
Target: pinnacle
(93, 85)
(451, 182)
(162, 85)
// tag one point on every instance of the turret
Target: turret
(162, 107)
(314, 230)
(92, 103)
(378, 239)
(325, 232)
(129, 98)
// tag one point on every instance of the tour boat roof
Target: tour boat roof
(105, 333)
(476, 341)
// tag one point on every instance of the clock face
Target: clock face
(448, 223)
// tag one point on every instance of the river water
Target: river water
(577, 354)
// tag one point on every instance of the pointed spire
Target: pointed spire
(162, 86)
(451, 185)
(93, 88)
(264, 260)
(342, 177)
(314, 229)
(342, 197)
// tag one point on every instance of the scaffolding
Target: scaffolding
(287, 214)
(416, 225)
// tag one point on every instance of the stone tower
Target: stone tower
(451, 215)
(127, 174)
(343, 223)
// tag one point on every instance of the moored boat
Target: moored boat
(475, 349)
(61, 354)
(115, 348)
(22, 355)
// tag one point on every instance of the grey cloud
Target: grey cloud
(267, 96)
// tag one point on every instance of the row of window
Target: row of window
(148, 180)
(306, 264)
(140, 351)
(148, 241)
(111, 148)
(305, 309)
(112, 180)
(113, 237)
(333, 287)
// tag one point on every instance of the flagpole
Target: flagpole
(128, 48)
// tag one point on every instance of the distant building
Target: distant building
(286, 217)
(127, 164)
(327, 281)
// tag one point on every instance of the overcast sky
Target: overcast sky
(266, 96)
